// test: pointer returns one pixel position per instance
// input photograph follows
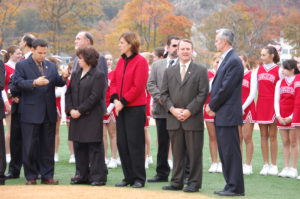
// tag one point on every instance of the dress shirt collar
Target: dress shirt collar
(27, 54)
(168, 61)
(186, 65)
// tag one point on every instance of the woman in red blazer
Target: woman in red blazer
(128, 93)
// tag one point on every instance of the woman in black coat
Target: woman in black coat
(83, 104)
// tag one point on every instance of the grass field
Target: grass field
(266, 187)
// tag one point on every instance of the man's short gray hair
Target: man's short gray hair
(226, 34)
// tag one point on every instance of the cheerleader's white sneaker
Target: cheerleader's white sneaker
(72, 159)
(273, 170)
(247, 169)
(213, 168)
(219, 169)
(150, 159)
(170, 162)
(8, 158)
(56, 157)
(265, 170)
(112, 164)
(292, 173)
(284, 172)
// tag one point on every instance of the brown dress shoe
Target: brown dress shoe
(50, 181)
(31, 182)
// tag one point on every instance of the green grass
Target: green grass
(256, 186)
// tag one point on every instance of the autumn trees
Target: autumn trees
(8, 11)
(153, 20)
(252, 26)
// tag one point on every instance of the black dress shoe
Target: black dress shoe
(191, 188)
(11, 176)
(171, 188)
(158, 179)
(122, 184)
(137, 184)
(79, 181)
(98, 183)
(229, 193)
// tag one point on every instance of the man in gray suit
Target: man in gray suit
(158, 111)
(184, 91)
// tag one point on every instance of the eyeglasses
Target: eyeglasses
(174, 45)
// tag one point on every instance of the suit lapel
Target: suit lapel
(188, 73)
(33, 66)
(46, 69)
(177, 73)
(223, 63)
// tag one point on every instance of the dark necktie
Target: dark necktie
(41, 68)
(171, 62)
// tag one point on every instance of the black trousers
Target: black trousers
(38, 142)
(91, 161)
(75, 147)
(162, 167)
(187, 147)
(15, 164)
(2, 152)
(231, 158)
(131, 143)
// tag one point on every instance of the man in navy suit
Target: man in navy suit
(37, 78)
(226, 106)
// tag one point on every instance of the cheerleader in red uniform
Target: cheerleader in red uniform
(296, 111)
(249, 116)
(216, 166)
(284, 107)
(12, 56)
(109, 122)
(266, 77)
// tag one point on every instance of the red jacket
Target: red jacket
(129, 81)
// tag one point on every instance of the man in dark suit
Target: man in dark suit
(2, 115)
(36, 79)
(85, 39)
(226, 106)
(158, 111)
(184, 91)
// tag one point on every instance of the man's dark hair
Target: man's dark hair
(39, 42)
(170, 38)
(28, 39)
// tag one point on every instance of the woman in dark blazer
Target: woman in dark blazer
(128, 93)
(83, 104)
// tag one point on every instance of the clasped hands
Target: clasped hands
(180, 113)
(284, 121)
(75, 114)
